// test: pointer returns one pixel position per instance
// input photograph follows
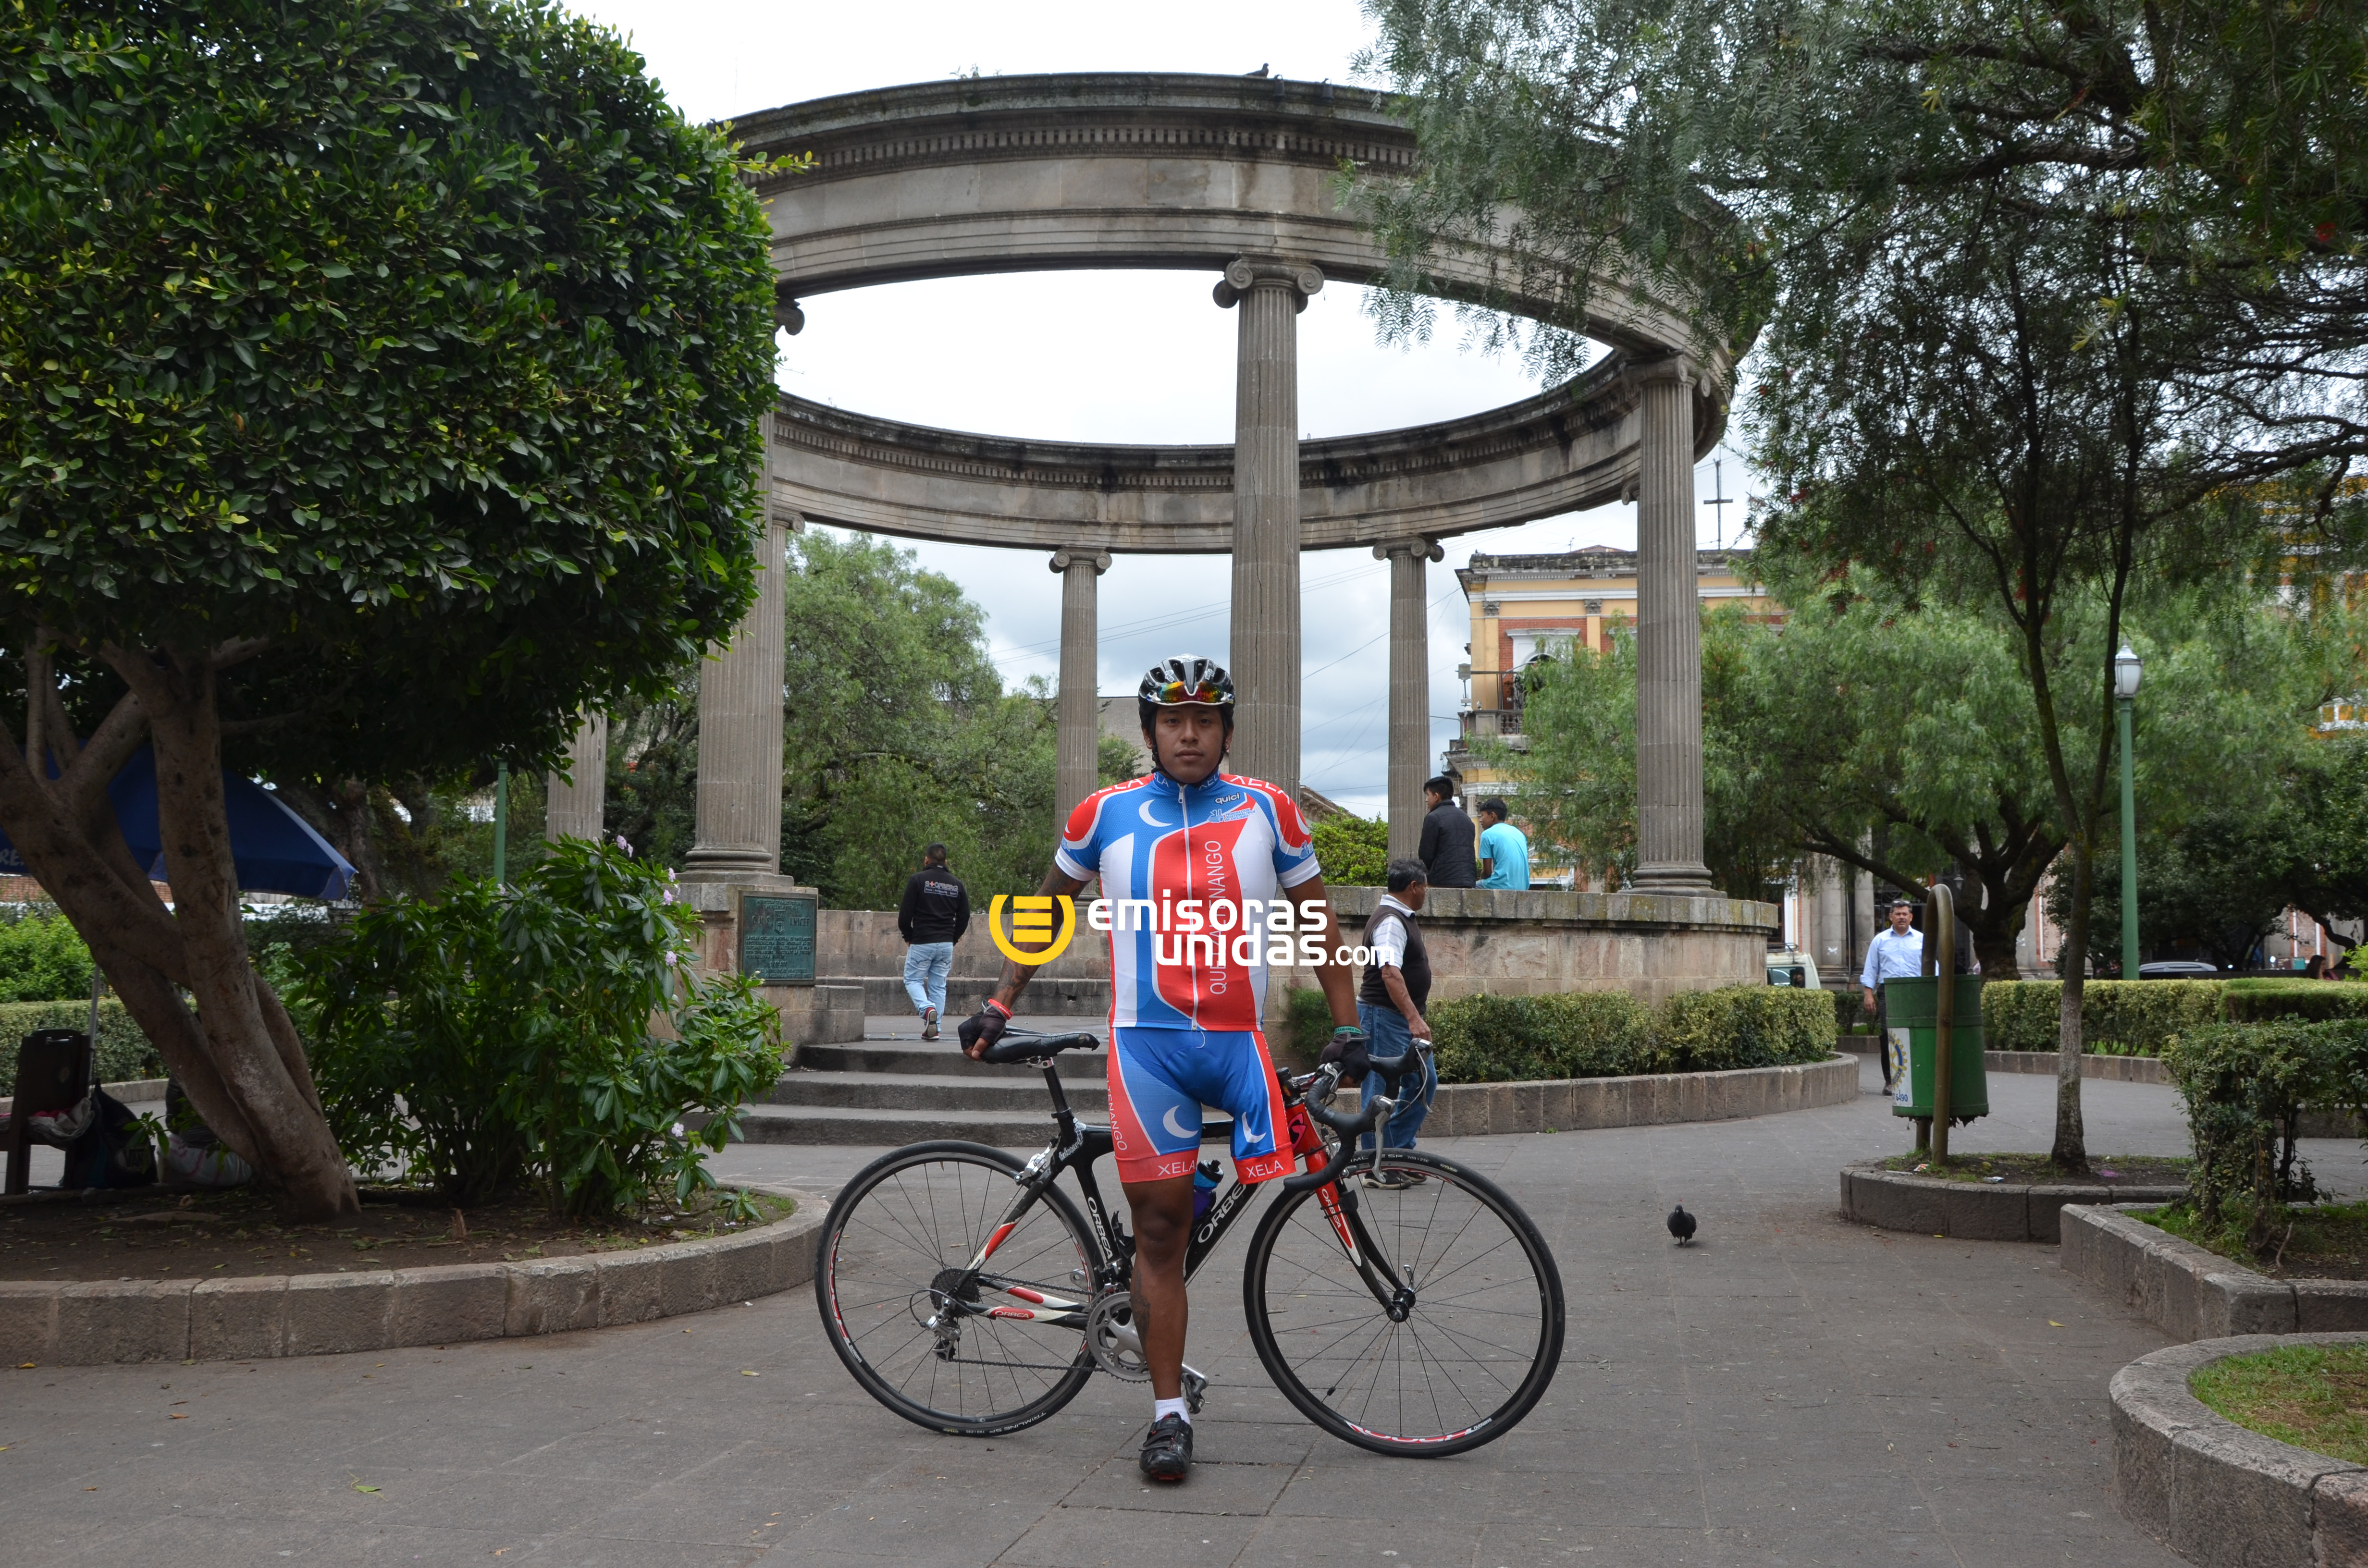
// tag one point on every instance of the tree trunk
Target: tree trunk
(2071, 1148)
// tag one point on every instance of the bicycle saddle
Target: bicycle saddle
(1031, 1046)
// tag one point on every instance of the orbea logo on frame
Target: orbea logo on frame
(1032, 940)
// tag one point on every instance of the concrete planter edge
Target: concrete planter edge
(2006, 1211)
(2219, 1493)
(99, 1323)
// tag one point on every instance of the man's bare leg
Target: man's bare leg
(1163, 1228)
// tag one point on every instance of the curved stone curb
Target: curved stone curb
(2212, 1491)
(1647, 1099)
(91, 1323)
(1978, 1211)
(2189, 1293)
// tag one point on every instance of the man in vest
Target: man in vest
(1390, 1004)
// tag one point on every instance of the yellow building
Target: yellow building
(1525, 605)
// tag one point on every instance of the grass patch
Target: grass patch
(2313, 1396)
(2037, 1170)
(2328, 1240)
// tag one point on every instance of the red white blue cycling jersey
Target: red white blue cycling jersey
(1191, 872)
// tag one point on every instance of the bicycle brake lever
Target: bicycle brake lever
(1349, 1128)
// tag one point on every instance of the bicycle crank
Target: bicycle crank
(1113, 1337)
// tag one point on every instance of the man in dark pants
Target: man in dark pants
(1446, 850)
(1389, 1006)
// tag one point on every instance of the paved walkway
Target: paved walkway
(1790, 1391)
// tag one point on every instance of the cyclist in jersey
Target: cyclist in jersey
(1197, 866)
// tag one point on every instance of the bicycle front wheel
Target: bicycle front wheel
(976, 1354)
(1455, 1366)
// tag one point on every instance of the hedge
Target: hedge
(124, 1052)
(2141, 1018)
(1606, 1034)
(2245, 1086)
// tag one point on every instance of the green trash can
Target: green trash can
(1911, 1011)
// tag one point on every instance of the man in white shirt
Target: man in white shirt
(1895, 954)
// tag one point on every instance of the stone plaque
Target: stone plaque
(777, 937)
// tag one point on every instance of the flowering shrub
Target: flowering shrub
(552, 1033)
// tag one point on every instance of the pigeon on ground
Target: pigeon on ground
(1682, 1224)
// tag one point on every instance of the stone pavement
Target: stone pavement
(1790, 1391)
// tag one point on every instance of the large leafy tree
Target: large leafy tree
(2025, 336)
(379, 386)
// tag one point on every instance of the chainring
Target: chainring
(1111, 1335)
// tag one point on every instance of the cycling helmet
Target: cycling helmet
(1185, 681)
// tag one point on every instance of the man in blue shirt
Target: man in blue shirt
(1895, 954)
(1504, 849)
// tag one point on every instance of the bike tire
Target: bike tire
(1463, 1369)
(894, 1232)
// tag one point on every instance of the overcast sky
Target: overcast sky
(1134, 357)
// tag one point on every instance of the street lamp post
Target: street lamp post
(2126, 672)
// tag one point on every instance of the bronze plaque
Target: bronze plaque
(777, 937)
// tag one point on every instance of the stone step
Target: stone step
(940, 1058)
(1054, 998)
(914, 1091)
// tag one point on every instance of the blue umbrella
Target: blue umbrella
(275, 849)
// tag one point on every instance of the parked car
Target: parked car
(1786, 967)
(2177, 968)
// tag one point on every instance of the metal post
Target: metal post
(1943, 931)
(2129, 847)
(501, 824)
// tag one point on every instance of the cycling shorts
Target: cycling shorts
(1159, 1079)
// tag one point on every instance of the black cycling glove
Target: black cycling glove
(1347, 1049)
(982, 1029)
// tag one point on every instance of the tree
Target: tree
(379, 387)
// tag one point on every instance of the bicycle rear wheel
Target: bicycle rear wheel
(949, 1350)
(1466, 1360)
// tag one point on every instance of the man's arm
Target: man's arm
(1060, 884)
(909, 906)
(1866, 976)
(1401, 999)
(1481, 863)
(1315, 915)
(961, 911)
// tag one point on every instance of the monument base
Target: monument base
(811, 1014)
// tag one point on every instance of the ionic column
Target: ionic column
(1668, 638)
(578, 810)
(739, 826)
(1078, 736)
(1409, 686)
(1265, 656)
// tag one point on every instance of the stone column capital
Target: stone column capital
(1099, 560)
(1415, 548)
(1669, 368)
(1245, 273)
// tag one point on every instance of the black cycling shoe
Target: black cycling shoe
(1168, 1449)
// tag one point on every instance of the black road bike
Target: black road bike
(1402, 1302)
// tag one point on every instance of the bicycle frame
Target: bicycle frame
(1079, 1145)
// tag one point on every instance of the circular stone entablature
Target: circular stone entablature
(1105, 171)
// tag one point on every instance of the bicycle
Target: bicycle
(1420, 1316)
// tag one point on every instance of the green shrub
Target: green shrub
(2245, 1087)
(1354, 851)
(2118, 1017)
(42, 959)
(1599, 1034)
(2258, 1001)
(504, 1034)
(1575, 1034)
(1311, 1023)
(124, 1052)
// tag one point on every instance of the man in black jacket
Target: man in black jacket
(1446, 849)
(935, 914)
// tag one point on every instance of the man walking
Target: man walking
(935, 914)
(1894, 954)
(1389, 1008)
(1446, 848)
(1504, 849)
